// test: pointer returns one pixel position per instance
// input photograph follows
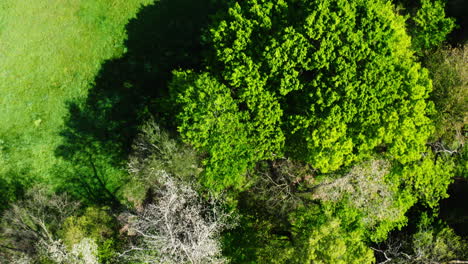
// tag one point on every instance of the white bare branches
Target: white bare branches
(278, 182)
(439, 147)
(367, 190)
(180, 227)
(30, 224)
(85, 252)
(427, 246)
(174, 224)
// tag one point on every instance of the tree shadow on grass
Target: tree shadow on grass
(99, 132)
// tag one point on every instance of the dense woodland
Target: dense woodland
(233, 131)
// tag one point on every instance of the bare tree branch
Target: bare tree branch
(179, 228)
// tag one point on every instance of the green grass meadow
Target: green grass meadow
(50, 53)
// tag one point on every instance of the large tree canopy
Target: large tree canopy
(327, 81)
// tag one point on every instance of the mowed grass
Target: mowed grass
(50, 52)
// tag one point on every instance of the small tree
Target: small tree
(433, 243)
(30, 224)
(448, 68)
(366, 189)
(179, 227)
(154, 150)
(29, 230)
(428, 26)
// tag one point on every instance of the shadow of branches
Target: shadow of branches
(99, 130)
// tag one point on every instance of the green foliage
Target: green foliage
(214, 125)
(331, 84)
(368, 189)
(154, 151)
(396, 218)
(261, 242)
(444, 244)
(436, 241)
(432, 242)
(97, 224)
(427, 180)
(313, 234)
(448, 69)
(429, 27)
(327, 238)
(296, 77)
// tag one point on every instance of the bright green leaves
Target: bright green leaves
(209, 106)
(96, 224)
(316, 234)
(281, 58)
(329, 235)
(430, 26)
(349, 86)
(234, 138)
(335, 77)
(427, 179)
(332, 81)
(211, 122)
(328, 146)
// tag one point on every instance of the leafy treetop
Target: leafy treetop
(327, 82)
